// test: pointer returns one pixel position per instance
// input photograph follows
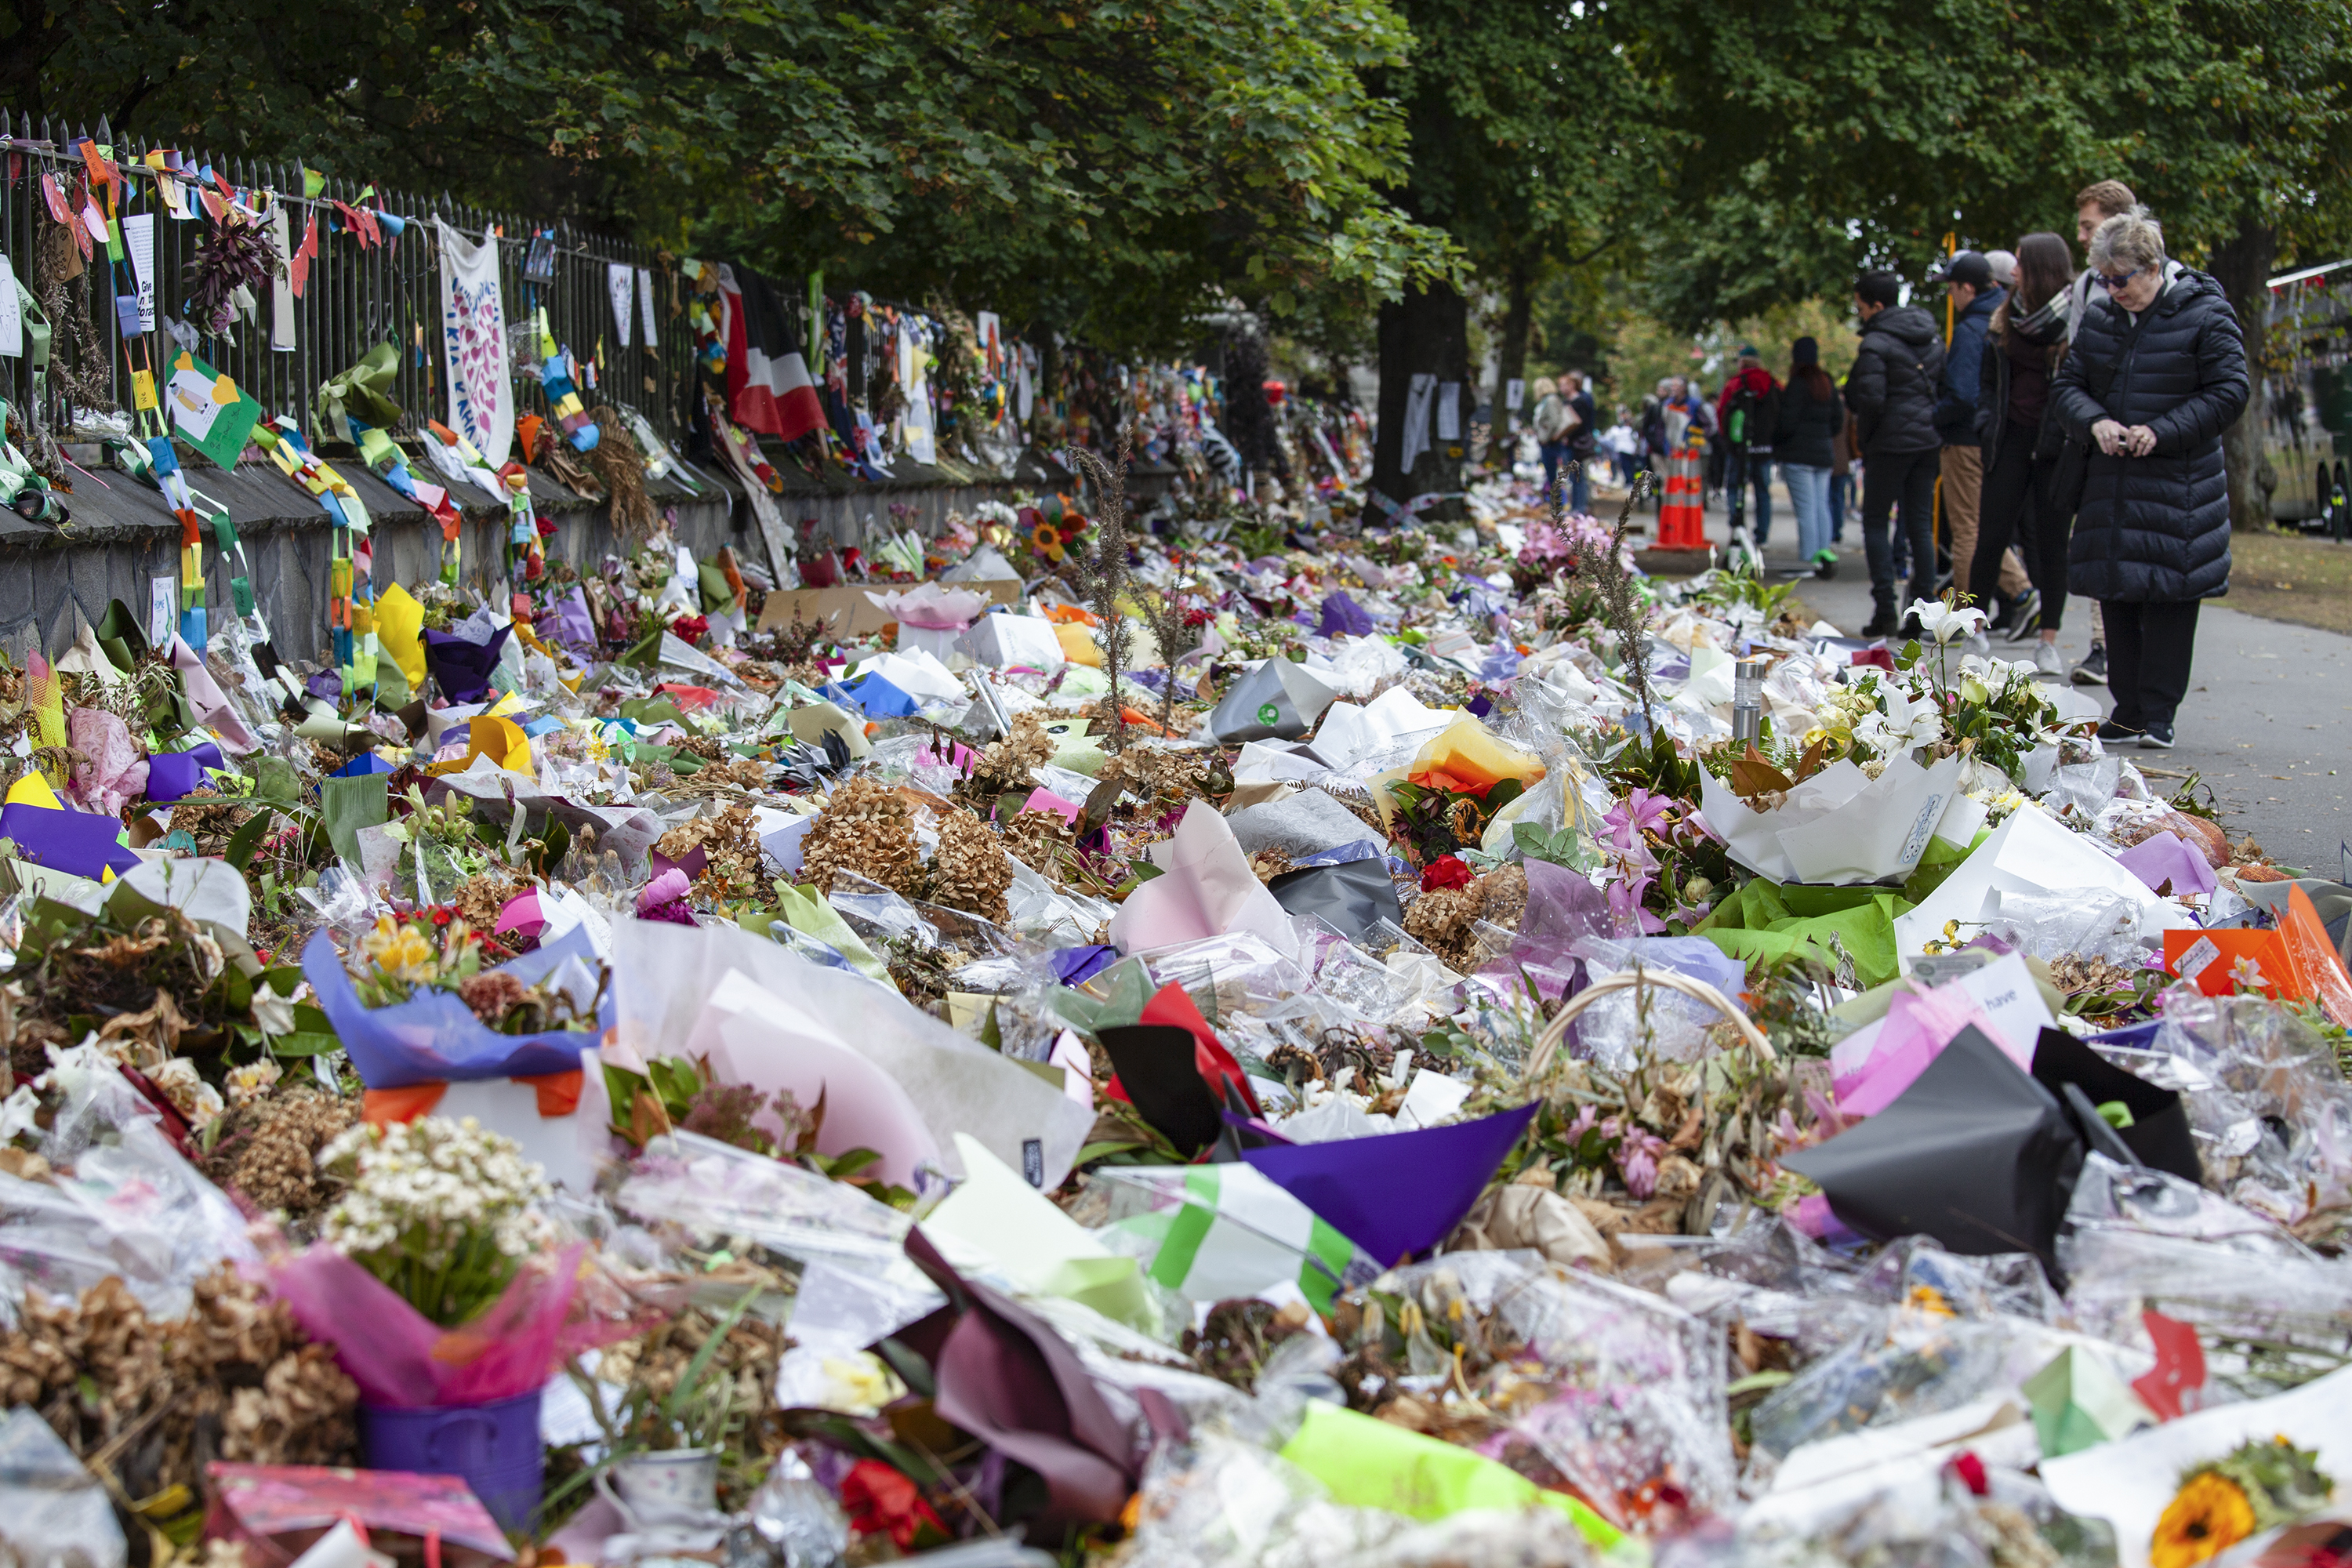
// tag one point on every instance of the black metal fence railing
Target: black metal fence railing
(354, 299)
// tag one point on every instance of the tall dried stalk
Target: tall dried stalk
(1163, 614)
(1620, 604)
(1100, 570)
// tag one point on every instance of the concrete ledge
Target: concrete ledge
(123, 536)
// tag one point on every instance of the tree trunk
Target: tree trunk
(2242, 266)
(1511, 353)
(1424, 334)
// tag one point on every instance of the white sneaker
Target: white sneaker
(2048, 664)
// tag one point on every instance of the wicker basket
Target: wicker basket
(1548, 1043)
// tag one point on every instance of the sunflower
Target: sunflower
(2208, 1515)
(1046, 541)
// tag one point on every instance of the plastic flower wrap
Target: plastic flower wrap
(410, 1011)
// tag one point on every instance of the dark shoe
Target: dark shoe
(1880, 625)
(1825, 565)
(1911, 628)
(2113, 731)
(2025, 617)
(2158, 738)
(2093, 671)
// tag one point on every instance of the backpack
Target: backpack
(1752, 417)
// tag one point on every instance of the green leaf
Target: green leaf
(304, 1043)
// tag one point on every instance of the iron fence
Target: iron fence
(354, 299)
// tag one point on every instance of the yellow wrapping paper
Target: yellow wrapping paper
(399, 631)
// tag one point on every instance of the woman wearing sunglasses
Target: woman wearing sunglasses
(2158, 371)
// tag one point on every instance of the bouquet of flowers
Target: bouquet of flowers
(402, 957)
(1051, 529)
(2261, 1485)
(442, 1212)
(413, 1003)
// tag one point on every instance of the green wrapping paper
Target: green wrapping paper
(1764, 921)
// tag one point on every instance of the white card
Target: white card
(1449, 411)
(646, 307)
(139, 239)
(1514, 392)
(621, 281)
(12, 312)
(281, 287)
(162, 610)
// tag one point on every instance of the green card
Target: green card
(208, 411)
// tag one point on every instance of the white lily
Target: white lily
(1945, 623)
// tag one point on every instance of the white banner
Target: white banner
(474, 343)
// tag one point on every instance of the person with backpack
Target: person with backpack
(1746, 412)
(1891, 392)
(1803, 438)
(1549, 422)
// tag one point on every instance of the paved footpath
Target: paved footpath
(2267, 723)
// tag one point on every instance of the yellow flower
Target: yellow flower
(1930, 1301)
(2208, 1516)
(401, 951)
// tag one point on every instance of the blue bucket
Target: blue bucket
(493, 1448)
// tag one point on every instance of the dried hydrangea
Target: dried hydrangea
(970, 870)
(267, 1151)
(1039, 839)
(868, 829)
(236, 1379)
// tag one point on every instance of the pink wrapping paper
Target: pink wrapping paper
(107, 770)
(401, 1359)
(1918, 1027)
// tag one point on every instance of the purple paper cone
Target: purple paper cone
(1399, 1193)
(462, 668)
(78, 842)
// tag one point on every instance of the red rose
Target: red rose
(1446, 871)
(690, 628)
(880, 1499)
(546, 527)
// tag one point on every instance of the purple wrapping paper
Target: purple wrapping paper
(171, 774)
(462, 668)
(2163, 858)
(1399, 1193)
(569, 624)
(434, 1037)
(1076, 965)
(1342, 614)
(78, 842)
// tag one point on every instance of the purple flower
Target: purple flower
(1637, 1163)
(1637, 813)
(1625, 907)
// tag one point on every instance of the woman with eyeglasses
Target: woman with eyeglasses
(2158, 371)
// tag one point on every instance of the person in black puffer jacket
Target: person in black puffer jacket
(1892, 392)
(2156, 371)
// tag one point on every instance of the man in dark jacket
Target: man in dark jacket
(1891, 393)
(2156, 371)
(1967, 277)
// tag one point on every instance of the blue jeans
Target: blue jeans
(1742, 470)
(1809, 493)
(1553, 453)
(1841, 498)
(1579, 487)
